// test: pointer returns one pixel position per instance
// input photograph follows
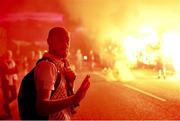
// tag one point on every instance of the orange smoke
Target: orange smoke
(131, 26)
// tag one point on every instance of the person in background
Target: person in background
(161, 69)
(9, 79)
(79, 59)
(92, 60)
(25, 65)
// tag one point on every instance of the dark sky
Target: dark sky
(31, 19)
(9, 6)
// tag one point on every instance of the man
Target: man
(161, 66)
(79, 59)
(8, 80)
(57, 105)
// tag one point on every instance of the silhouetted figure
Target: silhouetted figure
(92, 60)
(79, 59)
(32, 60)
(25, 65)
(8, 81)
(161, 68)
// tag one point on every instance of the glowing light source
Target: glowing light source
(85, 58)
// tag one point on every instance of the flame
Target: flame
(137, 30)
(136, 48)
(171, 48)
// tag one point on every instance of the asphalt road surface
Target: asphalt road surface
(145, 98)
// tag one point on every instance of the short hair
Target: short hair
(58, 31)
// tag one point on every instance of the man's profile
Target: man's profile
(52, 83)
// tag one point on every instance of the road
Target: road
(144, 98)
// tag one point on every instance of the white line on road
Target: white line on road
(136, 89)
(146, 93)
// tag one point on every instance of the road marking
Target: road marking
(146, 93)
(136, 89)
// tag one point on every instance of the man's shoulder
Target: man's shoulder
(45, 63)
(45, 68)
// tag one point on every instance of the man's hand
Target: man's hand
(81, 92)
(70, 76)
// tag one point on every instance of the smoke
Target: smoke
(114, 20)
(102, 17)
(99, 17)
(103, 20)
(100, 20)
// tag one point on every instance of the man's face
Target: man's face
(8, 55)
(60, 46)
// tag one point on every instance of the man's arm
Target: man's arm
(44, 105)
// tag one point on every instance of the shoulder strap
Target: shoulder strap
(48, 59)
(58, 75)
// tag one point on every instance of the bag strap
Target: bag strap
(58, 75)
